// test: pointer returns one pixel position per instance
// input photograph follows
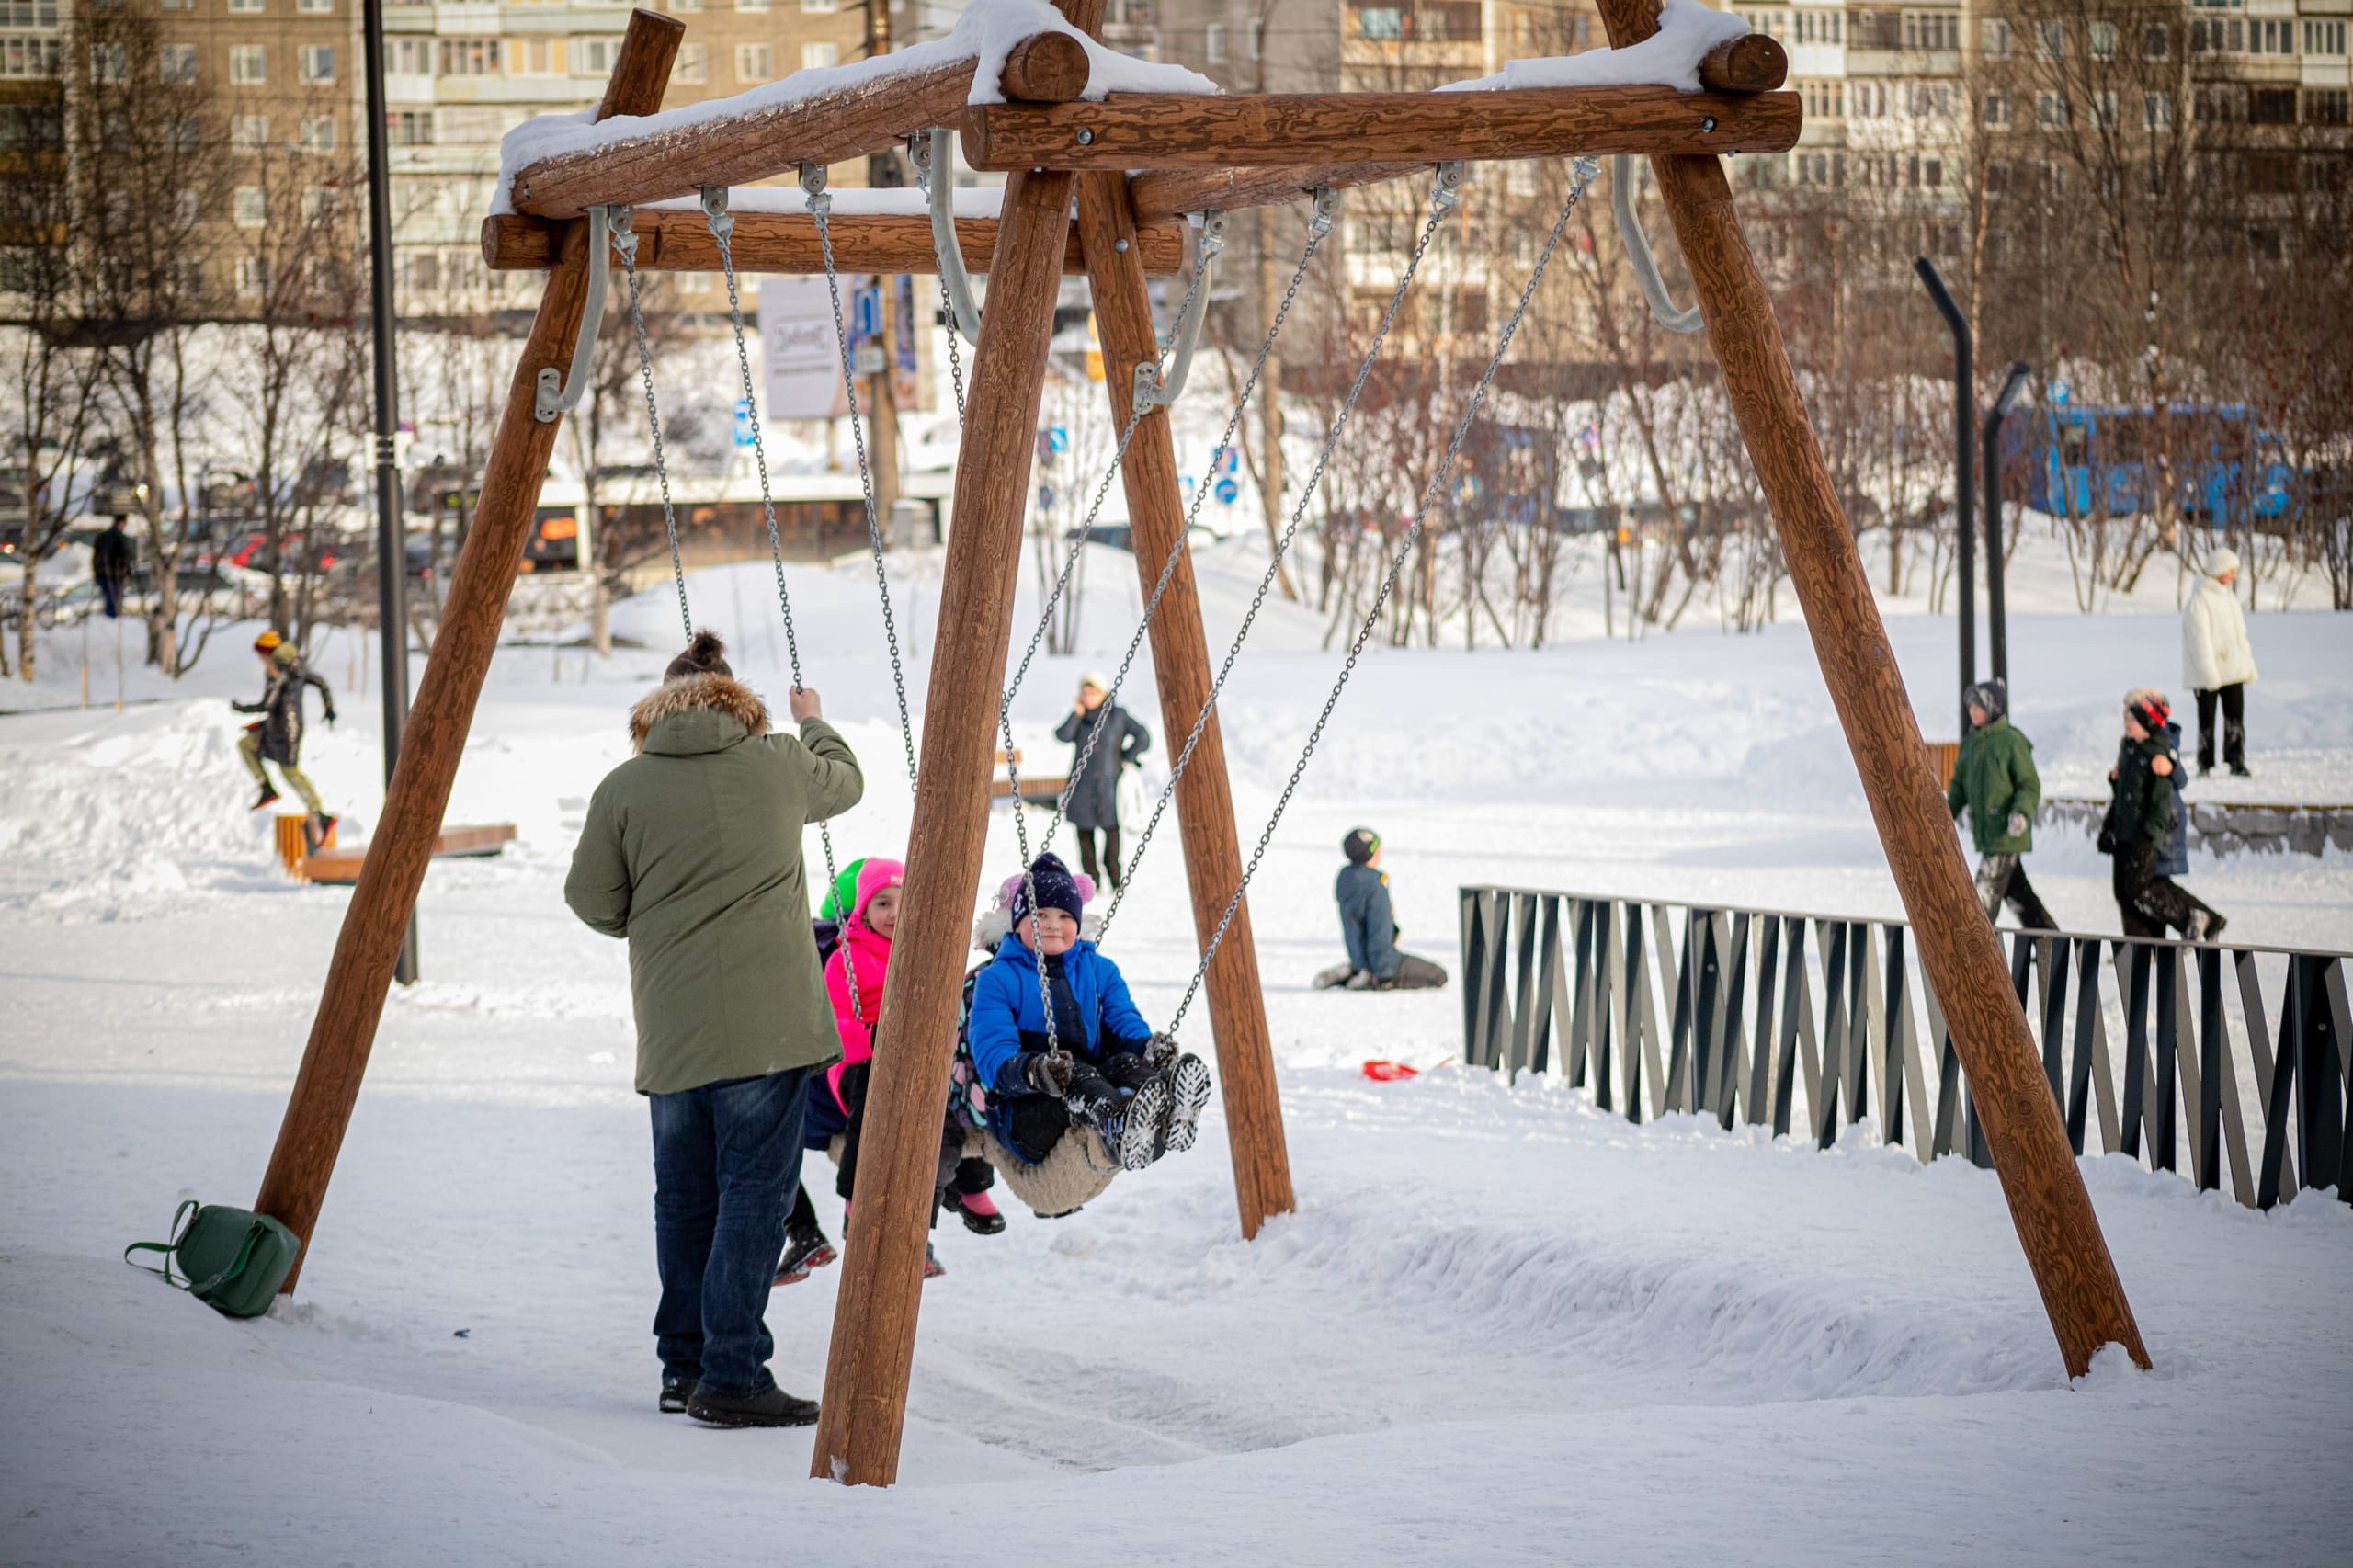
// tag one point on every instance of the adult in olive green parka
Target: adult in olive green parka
(1994, 781)
(692, 850)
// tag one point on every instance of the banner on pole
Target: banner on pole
(800, 357)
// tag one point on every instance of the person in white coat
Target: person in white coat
(2217, 663)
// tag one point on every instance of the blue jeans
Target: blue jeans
(726, 1159)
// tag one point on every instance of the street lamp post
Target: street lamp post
(1998, 621)
(1965, 399)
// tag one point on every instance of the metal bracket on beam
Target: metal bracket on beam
(1670, 315)
(1202, 242)
(555, 396)
(1326, 212)
(935, 160)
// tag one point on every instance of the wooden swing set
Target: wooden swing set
(1124, 173)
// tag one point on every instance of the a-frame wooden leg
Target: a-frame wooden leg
(2048, 1202)
(376, 921)
(874, 1318)
(1262, 1187)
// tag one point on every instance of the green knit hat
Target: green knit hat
(842, 897)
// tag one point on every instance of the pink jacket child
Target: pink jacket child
(866, 951)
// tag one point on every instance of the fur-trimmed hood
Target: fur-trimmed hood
(721, 696)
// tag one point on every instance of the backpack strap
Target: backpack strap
(181, 1218)
(253, 1234)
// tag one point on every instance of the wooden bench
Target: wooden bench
(292, 848)
(1036, 792)
(473, 841)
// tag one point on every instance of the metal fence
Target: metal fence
(2162, 1050)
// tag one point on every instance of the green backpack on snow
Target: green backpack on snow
(234, 1259)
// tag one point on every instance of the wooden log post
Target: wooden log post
(2048, 1201)
(1262, 1184)
(670, 240)
(865, 1401)
(376, 921)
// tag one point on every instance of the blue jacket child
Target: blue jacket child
(1096, 1020)
(1369, 926)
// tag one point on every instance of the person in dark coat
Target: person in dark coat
(111, 558)
(1996, 782)
(278, 737)
(2138, 830)
(1117, 741)
(1369, 927)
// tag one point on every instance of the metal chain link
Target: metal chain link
(1442, 202)
(1583, 170)
(820, 206)
(955, 354)
(714, 204)
(625, 242)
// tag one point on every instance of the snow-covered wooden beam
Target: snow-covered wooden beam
(1273, 130)
(671, 241)
(870, 114)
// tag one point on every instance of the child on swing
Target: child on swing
(1101, 1066)
(854, 980)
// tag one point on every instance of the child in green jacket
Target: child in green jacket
(1994, 781)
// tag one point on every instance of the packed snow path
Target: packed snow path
(1504, 1327)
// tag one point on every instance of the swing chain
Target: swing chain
(723, 225)
(820, 206)
(1442, 202)
(1584, 170)
(625, 242)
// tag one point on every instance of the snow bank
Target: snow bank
(1668, 58)
(985, 34)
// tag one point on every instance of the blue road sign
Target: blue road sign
(1227, 491)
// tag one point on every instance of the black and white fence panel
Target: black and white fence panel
(1809, 1024)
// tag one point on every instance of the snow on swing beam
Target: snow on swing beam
(872, 113)
(1160, 130)
(669, 240)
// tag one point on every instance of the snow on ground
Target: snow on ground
(1503, 1327)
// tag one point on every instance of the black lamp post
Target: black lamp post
(1964, 403)
(1998, 619)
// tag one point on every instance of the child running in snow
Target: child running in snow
(1369, 927)
(2143, 813)
(1101, 1065)
(277, 736)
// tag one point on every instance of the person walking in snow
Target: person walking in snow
(110, 559)
(2143, 813)
(1994, 781)
(278, 735)
(691, 850)
(1369, 927)
(2217, 660)
(1109, 738)
(1100, 1065)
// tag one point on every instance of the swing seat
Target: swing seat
(1075, 1173)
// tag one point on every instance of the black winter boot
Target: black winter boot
(770, 1407)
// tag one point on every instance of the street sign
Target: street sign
(868, 359)
(866, 314)
(744, 422)
(1057, 439)
(1045, 499)
(2057, 392)
(1227, 491)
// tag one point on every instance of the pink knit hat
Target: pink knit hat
(872, 877)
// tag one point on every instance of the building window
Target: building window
(176, 64)
(248, 132)
(2271, 37)
(1213, 42)
(250, 207)
(2050, 109)
(1997, 178)
(472, 57)
(693, 66)
(594, 56)
(1993, 39)
(249, 65)
(748, 5)
(538, 56)
(183, 135)
(2104, 109)
(820, 56)
(315, 62)
(2102, 36)
(317, 133)
(820, 7)
(109, 63)
(30, 56)
(2156, 42)
(245, 5)
(2050, 42)
(315, 7)
(186, 207)
(686, 5)
(1256, 37)
(1379, 21)
(2271, 106)
(1998, 108)
(755, 61)
(252, 275)
(2271, 174)
(409, 128)
(2326, 105)
(2156, 112)
(2324, 38)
